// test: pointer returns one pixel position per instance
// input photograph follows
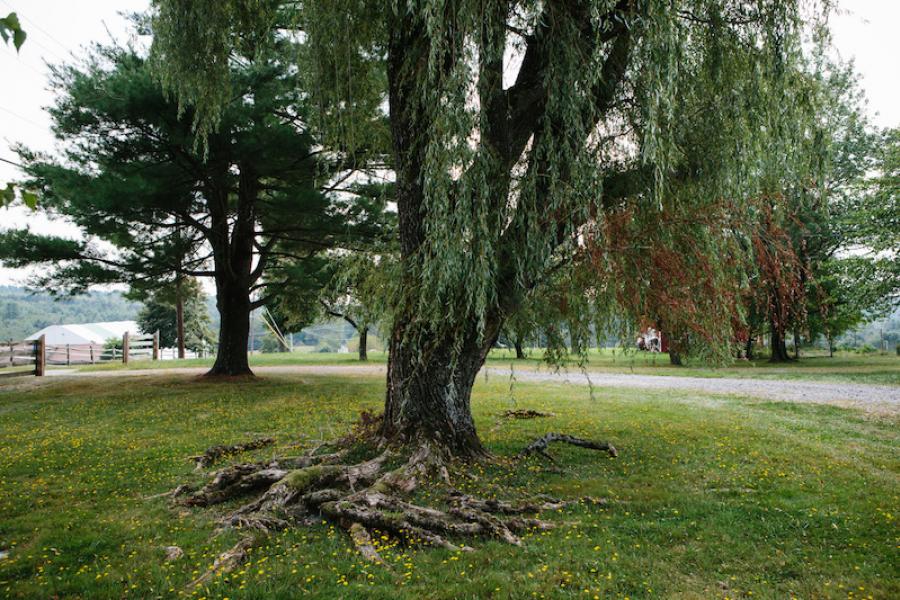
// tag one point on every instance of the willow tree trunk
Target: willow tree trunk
(430, 373)
(363, 342)
(674, 358)
(520, 352)
(429, 395)
(426, 398)
(748, 348)
(779, 348)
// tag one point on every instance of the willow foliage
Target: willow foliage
(620, 163)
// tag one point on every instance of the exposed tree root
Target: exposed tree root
(238, 480)
(371, 495)
(173, 553)
(526, 413)
(363, 542)
(540, 445)
(181, 490)
(529, 505)
(216, 452)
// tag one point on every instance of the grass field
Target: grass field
(868, 368)
(711, 497)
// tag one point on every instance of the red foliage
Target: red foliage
(779, 292)
(675, 271)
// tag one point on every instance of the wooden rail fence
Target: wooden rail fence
(21, 358)
(31, 357)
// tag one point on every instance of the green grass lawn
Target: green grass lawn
(846, 367)
(711, 497)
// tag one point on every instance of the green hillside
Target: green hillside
(23, 313)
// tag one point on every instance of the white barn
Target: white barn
(86, 333)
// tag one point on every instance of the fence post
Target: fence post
(68, 356)
(156, 345)
(125, 348)
(40, 356)
(12, 353)
(92, 353)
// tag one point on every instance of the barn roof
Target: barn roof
(85, 333)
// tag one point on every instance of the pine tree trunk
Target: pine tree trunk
(233, 259)
(796, 345)
(233, 302)
(363, 342)
(520, 352)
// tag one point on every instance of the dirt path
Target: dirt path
(881, 399)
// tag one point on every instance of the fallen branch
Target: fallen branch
(216, 452)
(540, 445)
(526, 413)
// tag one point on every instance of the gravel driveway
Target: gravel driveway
(879, 399)
(883, 399)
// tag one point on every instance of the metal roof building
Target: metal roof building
(86, 333)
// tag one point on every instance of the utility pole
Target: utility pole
(252, 335)
(179, 315)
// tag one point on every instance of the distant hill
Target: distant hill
(23, 313)
(881, 334)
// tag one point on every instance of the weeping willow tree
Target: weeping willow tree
(525, 137)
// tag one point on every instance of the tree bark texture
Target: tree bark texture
(232, 247)
(779, 348)
(520, 352)
(428, 397)
(233, 302)
(363, 342)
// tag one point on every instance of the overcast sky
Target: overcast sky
(865, 31)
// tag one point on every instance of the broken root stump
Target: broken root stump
(226, 562)
(216, 452)
(371, 495)
(540, 445)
